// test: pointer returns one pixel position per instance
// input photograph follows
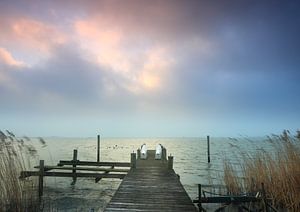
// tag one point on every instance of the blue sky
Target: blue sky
(141, 68)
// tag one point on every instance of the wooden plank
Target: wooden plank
(47, 168)
(25, 174)
(151, 187)
(92, 163)
(231, 199)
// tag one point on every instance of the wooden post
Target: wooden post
(98, 148)
(133, 160)
(208, 150)
(263, 195)
(170, 162)
(199, 197)
(74, 166)
(41, 179)
(139, 153)
(164, 153)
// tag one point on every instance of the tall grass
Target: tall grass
(278, 170)
(15, 156)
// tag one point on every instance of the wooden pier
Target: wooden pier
(148, 184)
(151, 185)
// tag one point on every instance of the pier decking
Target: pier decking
(151, 186)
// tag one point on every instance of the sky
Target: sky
(137, 68)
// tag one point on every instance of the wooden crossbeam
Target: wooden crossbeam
(231, 199)
(106, 170)
(25, 174)
(91, 163)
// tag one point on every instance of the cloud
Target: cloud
(32, 39)
(141, 67)
(7, 59)
(201, 60)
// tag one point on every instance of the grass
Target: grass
(278, 170)
(16, 155)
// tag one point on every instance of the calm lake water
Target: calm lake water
(190, 162)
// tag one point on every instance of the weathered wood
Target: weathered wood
(138, 153)
(199, 197)
(133, 160)
(98, 148)
(151, 187)
(48, 168)
(170, 162)
(25, 174)
(74, 166)
(227, 199)
(41, 179)
(106, 172)
(164, 153)
(208, 149)
(92, 163)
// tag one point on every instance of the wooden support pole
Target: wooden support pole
(170, 162)
(133, 160)
(98, 148)
(164, 153)
(41, 179)
(199, 197)
(75, 153)
(208, 149)
(263, 196)
(139, 153)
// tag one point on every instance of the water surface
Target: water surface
(190, 162)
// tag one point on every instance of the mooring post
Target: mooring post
(41, 179)
(138, 153)
(264, 201)
(170, 162)
(199, 197)
(164, 153)
(75, 153)
(133, 160)
(208, 150)
(98, 148)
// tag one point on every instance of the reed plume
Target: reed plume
(278, 170)
(16, 156)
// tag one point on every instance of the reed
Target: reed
(279, 170)
(16, 155)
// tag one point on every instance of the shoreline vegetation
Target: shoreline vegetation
(277, 170)
(16, 155)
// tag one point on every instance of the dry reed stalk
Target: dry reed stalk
(15, 156)
(278, 170)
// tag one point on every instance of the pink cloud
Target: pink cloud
(7, 59)
(30, 38)
(141, 67)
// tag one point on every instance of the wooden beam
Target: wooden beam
(92, 163)
(97, 179)
(25, 174)
(230, 199)
(47, 168)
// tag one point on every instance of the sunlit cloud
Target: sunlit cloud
(140, 67)
(32, 39)
(7, 59)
